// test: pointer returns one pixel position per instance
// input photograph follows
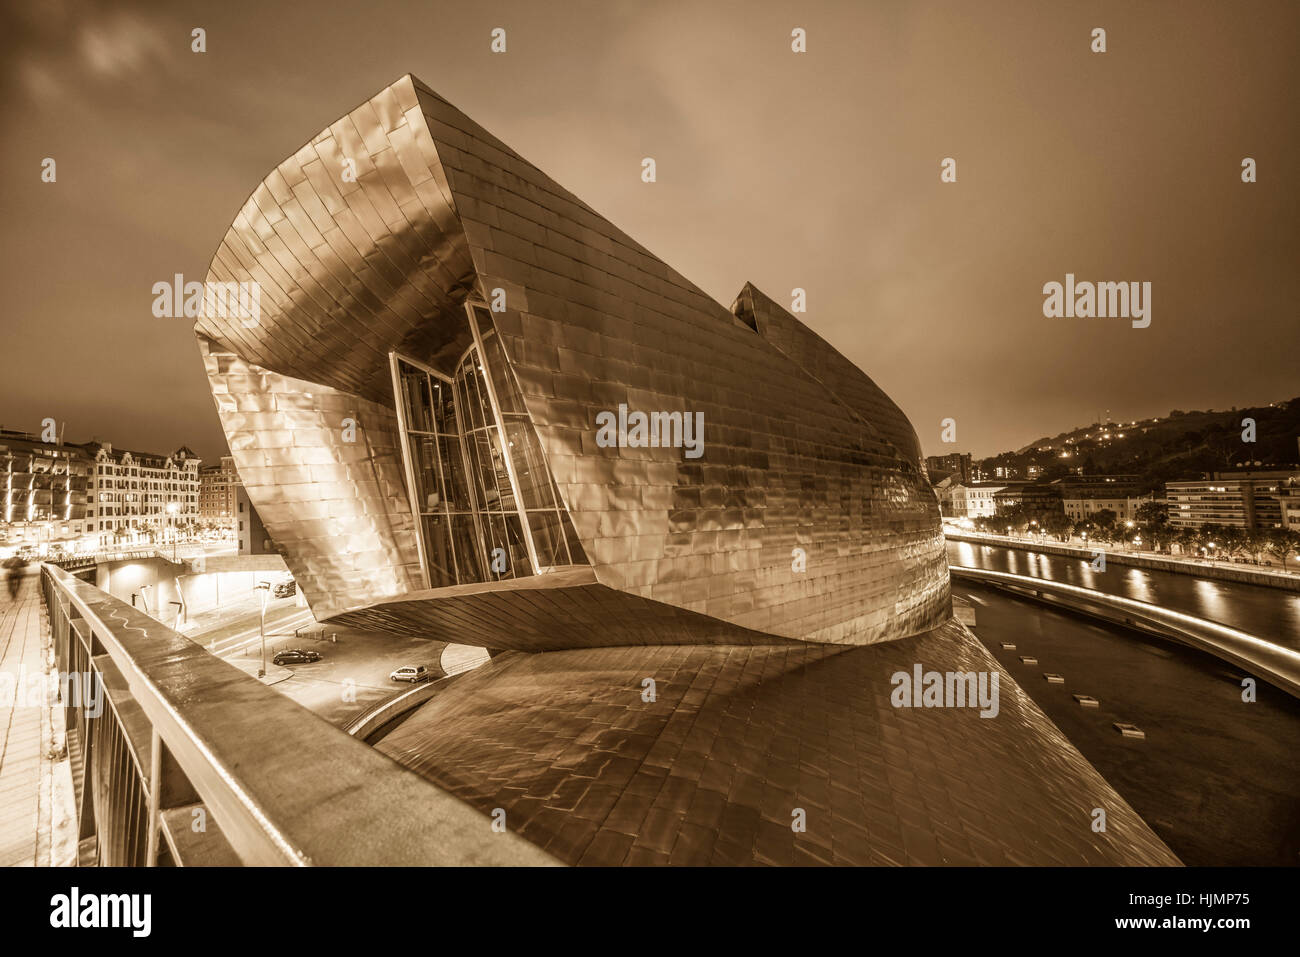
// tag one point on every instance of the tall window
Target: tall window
(487, 505)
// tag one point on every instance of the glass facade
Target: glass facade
(487, 505)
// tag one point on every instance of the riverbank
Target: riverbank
(1219, 572)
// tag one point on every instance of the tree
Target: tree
(1228, 540)
(1105, 521)
(1152, 514)
(1254, 543)
(1282, 543)
(1160, 537)
(1189, 541)
(1057, 525)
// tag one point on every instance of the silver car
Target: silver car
(411, 673)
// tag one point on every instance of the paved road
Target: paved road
(1218, 779)
(352, 673)
(1269, 613)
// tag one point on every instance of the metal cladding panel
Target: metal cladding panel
(593, 320)
(357, 250)
(352, 270)
(337, 509)
(824, 362)
(708, 772)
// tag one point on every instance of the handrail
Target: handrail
(1274, 663)
(283, 785)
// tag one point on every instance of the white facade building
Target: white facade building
(136, 496)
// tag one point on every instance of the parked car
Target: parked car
(295, 656)
(411, 673)
(285, 589)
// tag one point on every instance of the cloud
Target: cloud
(123, 44)
(52, 49)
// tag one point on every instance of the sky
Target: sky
(817, 170)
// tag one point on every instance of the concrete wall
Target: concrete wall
(152, 584)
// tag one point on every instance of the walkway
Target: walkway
(34, 790)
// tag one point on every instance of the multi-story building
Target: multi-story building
(1288, 500)
(251, 534)
(972, 501)
(1098, 486)
(958, 464)
(1036, 500)
(139, 495)
(218, 497)
(1041, 501)
(1244, 499)
(1007, 495)
(42, 491)
(476, 500)
(1080, 507)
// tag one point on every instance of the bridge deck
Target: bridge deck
(25, 769)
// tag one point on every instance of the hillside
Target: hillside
(1181, 445)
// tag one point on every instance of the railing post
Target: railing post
(155, 799)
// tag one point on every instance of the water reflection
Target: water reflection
(1138, 585)
(1212, 598)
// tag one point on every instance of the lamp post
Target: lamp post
(265, 589)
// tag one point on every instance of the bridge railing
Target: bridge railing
(180, 758)
(1275, 663)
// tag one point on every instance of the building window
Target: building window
(487, 505)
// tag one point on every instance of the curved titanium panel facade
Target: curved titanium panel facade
(823, 362)
(800, 453)
(709, 771)
(337, 509)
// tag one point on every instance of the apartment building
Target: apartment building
(1244, 499)
(135, 496)
(218, 498)
(43, 491)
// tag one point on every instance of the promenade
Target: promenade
(1219, 570)
(36, 823)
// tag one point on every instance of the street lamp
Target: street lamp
(265, 589)
(1211, 545)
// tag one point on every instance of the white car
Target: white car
(411, 673)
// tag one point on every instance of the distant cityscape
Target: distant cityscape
(60, 497)
(1069, 487)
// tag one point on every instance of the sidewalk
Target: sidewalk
(35, 789)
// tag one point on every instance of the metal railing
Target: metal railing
(1274, 663)
(189, 760)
